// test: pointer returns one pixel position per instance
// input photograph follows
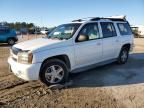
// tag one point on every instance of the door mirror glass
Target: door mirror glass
(83, 38)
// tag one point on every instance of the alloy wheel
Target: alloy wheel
(54, 74)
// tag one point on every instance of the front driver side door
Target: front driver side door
(90, 51)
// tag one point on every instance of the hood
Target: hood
(36, 43)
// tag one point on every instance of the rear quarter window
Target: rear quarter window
(124, 29)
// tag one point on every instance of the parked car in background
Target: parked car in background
(135, 32)
(44, 31)
(8, 35)
(72, 47)
(141, 31)
(138, 31)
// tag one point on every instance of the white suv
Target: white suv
(72, 47)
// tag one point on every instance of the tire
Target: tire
(11, 41)
(123, 56)
(54, 71)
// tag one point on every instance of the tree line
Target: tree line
(24, 28)
(19, 25)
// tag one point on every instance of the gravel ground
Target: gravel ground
(109, 86)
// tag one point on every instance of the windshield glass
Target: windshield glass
(64, 31)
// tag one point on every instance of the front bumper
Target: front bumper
(132, 47)
(25, 71)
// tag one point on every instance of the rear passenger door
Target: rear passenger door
(110, 40)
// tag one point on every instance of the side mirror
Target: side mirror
(82, 38)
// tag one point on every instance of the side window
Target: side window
(4, 31)
(124, 28)
(89, 32)
(108, 29)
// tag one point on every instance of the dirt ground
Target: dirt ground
(109, 86)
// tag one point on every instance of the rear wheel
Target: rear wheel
(54, 71)
(11, 41)
(123, 56)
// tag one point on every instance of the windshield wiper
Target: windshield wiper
(53, 38)
(57, 37)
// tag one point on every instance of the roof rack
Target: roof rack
(78, 20)
(112, 18)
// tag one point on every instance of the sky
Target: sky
(55, 12)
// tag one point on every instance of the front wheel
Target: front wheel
(123, 56)
(54, 71)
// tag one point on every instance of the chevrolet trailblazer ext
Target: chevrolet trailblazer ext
(72, 47)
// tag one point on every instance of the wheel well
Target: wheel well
(64, 58)
(11, 38)
(126, 46)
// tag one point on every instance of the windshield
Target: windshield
(64, 31)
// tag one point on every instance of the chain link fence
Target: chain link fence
(22, 38)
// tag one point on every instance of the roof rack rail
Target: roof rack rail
(83, 19)
(78, 20)
(112, 18)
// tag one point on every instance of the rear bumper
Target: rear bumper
(25, 71)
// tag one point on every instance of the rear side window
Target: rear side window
(4, 30)
(108, 29)
(124, 28)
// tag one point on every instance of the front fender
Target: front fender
(39, 57)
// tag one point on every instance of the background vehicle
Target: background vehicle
(7, 35)
(72, 47)
(44, 31)
(138, 30)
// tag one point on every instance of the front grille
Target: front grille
(15, 51)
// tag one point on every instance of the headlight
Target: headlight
(25, 57)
